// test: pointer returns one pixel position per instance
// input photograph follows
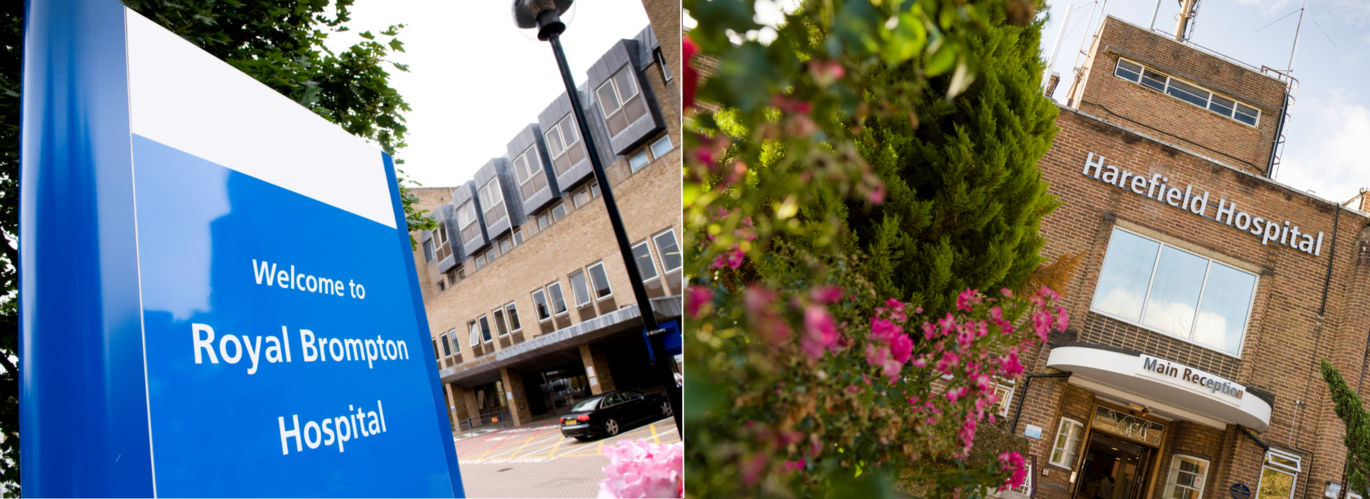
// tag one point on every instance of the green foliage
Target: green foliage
(278, 42)
(965, 199)
(1357, 440)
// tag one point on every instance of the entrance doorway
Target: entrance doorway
(564, 386)
(1113, 469)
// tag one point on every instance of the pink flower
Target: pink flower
(1062, 320)
(751, 470)
(883, 330)
(900, 348)
(758, 301)
(826, 72)
(791, 466)
(826, 294)
(1009, 366)
(877, 195)
(691, 76)
(697, 298)
(1014, 463)
(1041, 322)
(966, 299)
(819, 331)
(638, 468)
(1049, 294)
(730, 258)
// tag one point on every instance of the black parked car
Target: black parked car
(609, 413)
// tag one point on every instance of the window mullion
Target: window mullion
(1151, 283)
(1194, 325)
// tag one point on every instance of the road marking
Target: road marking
(525, 443)
(655, 438)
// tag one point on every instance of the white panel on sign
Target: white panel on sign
(203, 106)
(1033, 432)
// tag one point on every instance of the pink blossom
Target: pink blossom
(877, 195)
(826, 72)
(1006, 292)
(1041, 322)
(900, 348)
(792, 466)
(1049, 294)
(826, 294)
(1062, 320)
(758, 301)
(883, 330)
(639, 468)
(730, 258)
(966, 299)
(1009, 366)
(1015, 464)
(751, 470)
(819, 331)
(696, 298)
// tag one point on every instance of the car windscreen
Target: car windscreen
(587, 405)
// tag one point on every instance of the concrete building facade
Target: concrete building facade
(526, 292)
(1205, 295)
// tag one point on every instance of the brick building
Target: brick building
(1205, 295)
(527, 296)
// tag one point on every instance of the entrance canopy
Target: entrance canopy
(1167, 389)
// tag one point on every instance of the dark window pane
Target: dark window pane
(540, 306)
(1154, 80)
(1221, 106)
(642, 253)
(513, 314)
(579, 289)
(558, 301)
(670, 252)
(1247, 114)
(600, 280)
(1128, 71)
(1188, 93)
(484, 329)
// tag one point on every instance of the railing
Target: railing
(497, 416)
(1291, 94)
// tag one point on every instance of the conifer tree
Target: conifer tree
(964, 199)
(1352, 412)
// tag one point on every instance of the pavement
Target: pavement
(536, 461)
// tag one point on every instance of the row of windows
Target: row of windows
(587, 284)
(1187, 92)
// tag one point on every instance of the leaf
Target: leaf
(367, 35)
(943, 59)
(856, 25)
(905, 40)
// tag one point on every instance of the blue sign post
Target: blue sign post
(218, 292)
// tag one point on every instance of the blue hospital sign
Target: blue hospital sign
(218, 292)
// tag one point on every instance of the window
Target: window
(491, 255)
(1161, 287)
(540, 307)
(616, 92)
(1187, 92)
(578, 288)
(500, 323)
(528, 170)
(594, 189)
(472, 333)
(484, 329)
(518, 237)
(442, 249)
(493, 200)
(638, 161)
(1279, 475)
(1067, 441)
(558, 302)
(505, 245)
(466, 219)
(544, 221)
(661, 146)
(562, 136)
(1186, 480)
(642, 253)
(661, 61)
(600, 281)
(437, 352)
(452, 276)
(512, 313)
(442, 285)
(581, 197)
(669, 251)
(428, 250)
(1026, 487)
(558, 212)
(480, 261)
(1005, 395)
(446, 345)
(452, 340)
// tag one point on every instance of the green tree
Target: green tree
(278, 42)
(964, 196)
(1357, 440)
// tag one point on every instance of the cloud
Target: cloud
(1267, 7)
(1333, 157)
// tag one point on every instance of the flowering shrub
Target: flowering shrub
(638, 468)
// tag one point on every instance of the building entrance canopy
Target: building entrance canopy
(1166, 388)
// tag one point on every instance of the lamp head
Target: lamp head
(542, 15)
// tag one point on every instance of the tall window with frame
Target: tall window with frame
(555, 299)
(500, 323)
(492, 198)
(1067, 444)
(563, 142)
(442, 249)
(646, 266)
(511, 312)
(1004, 393)
(1280, 475)
(579, 289)
(484, 329)
(620, 100)
(456, 345)
(1186, 478)
(599, 281)
(473, 333)
(1165, 289)
(668, 249)
(661, 62)
(528, 170)
(540, 306)
(466, 219)
(446, 343)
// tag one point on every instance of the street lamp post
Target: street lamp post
(545, 15)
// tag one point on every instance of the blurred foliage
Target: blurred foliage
(793, 138)
(1348, 406)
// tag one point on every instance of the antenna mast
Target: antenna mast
(1296, 38)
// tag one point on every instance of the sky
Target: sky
(474, 80)
(1328, 145)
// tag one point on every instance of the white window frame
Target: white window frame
(487, 192)
(575, 197)
(677, 246)
(517, 236)
(497, 319)
(640, 154)
(473, 331)
(547, 300)
(484, 328)
(448, 349)
(1026, 487)
(452, 338)
(515, 313)
(590, 283)
(651, 256)
(1293, 488)
(1004, 404)
(1166, 88)
(1062, 428)
(586, 279)
(469, 210)
(618, 92)
(664, 138)
(551, 305)
(1250, 307)
(564, 212)
(561, 136)
(1174, 471)
(661, 60)
(527, 165)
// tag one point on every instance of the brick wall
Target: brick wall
(1135, 106)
